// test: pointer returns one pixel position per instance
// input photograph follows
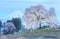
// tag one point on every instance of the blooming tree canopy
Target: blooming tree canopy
(39, 15)
(9, 27)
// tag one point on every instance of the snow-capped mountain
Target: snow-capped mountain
(14, 14)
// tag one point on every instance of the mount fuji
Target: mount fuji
(14, 14)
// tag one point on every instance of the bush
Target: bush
(9, 28)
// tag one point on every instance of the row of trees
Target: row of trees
(11, 26)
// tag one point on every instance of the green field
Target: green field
(38, 33)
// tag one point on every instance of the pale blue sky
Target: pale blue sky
(9, 6)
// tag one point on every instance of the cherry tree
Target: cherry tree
(39, 15)
(52, 12)
(34, 13)
(9, 28)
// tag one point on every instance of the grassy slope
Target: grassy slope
(38, 33)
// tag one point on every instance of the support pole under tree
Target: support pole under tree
(40, 26)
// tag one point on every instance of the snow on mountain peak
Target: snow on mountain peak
(15, 14)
